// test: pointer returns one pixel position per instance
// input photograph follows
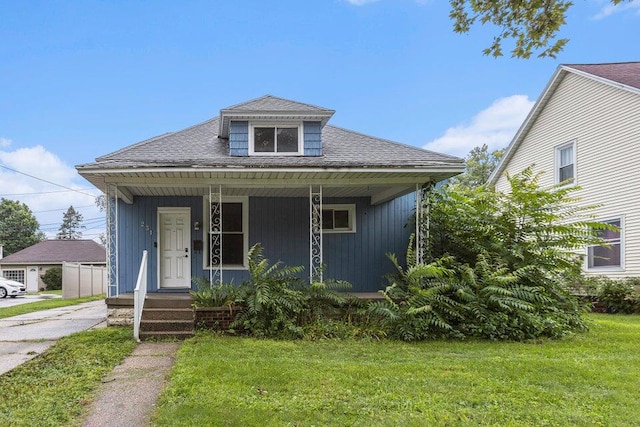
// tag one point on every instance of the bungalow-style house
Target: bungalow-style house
(269, 171)
(30, 264)
(584, 130)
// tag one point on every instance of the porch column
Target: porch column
(315, 233)
(215, 234)
(422, 222)
(113, 282)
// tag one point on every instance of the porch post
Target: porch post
(215, 234)
(113, 282)
(315, 233)
(422, 222)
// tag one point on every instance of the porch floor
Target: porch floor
(126, 300)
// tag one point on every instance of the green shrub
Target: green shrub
(272, 298)
(619, 296)
(215, 295)
(499, 264)
(53, 278)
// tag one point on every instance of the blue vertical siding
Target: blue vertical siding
(239, 138)
(281, 225)
(312, 139)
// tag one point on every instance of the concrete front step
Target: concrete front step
(167, 314)
(182, 302)
(166, 325)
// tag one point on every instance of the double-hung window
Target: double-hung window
(281, 139)
(233, 234)
(339, 218)
(611, 254)
(566, 163)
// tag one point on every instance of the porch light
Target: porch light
(196, 225)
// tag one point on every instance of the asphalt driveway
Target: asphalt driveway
(25, 336)
(10, 302)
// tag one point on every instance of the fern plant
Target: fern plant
(272, 298)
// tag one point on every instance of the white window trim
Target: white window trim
(609, 268)
(556, 169)
(351, 208)
(245, 227)
(281, 123)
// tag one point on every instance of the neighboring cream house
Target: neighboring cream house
(585, 130)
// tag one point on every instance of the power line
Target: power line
(63, 209)
(37, 193)
(47, 181)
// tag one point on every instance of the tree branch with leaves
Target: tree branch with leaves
(533, 25)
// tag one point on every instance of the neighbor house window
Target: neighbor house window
(610, 255)
(339, 218)
(235, 228)
(566, 163)
(283, 139)
(17, 275)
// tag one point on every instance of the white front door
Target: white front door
(32, 279)
(174, 250)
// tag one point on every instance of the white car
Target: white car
(11, 288)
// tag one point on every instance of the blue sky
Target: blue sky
(79, 79)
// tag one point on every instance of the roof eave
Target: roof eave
(528, 122)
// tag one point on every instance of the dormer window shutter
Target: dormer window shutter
(239, 138)
(312, 139)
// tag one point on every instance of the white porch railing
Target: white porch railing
(139, 295)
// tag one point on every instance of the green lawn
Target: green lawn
(54, 388)
(30, 307)
(588, 380)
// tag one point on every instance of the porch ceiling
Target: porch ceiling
(379, 184)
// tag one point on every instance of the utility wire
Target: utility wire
(47, 181)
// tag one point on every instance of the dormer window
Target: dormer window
(275, 139)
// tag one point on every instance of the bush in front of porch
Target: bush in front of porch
(277, 303)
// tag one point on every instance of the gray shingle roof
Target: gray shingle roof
(627, 73)
(58, 251)
(273, 103)
(199, 145)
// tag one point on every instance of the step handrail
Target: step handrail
(139, 295)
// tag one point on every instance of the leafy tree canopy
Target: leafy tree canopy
(18, 226)
(479, 165)
(71, 225)
(533, 25)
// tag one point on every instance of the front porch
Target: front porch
(172, 315)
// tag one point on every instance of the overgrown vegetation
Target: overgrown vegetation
(53, 388)
(611, 295)
(276, 302)
(590, 379)
(498, 266)
(53, 278)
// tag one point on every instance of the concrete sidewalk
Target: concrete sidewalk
(24, 337)
(128, 395)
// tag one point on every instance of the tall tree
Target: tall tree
(18, 226)
(479, 165)
(71, 225)
(533, 25)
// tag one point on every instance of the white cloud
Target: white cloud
(360, 2)
(610, 9)
(48, 201)
(4, 142)
(494, 126)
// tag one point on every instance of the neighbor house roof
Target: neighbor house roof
(626, 73)
(622, 75)
(59, 251)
